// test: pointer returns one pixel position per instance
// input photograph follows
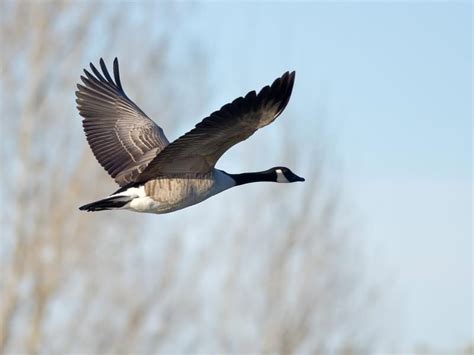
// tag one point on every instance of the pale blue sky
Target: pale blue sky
(388, 87)
(395, 83)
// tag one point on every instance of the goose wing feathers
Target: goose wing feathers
(198, 150)
(122, 137)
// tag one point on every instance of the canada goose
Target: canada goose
(156, 176)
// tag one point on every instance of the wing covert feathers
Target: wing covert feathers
(199, 149)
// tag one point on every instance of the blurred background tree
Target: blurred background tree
(255, 276)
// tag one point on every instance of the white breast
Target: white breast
(222, 182)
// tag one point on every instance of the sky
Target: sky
(392, 83)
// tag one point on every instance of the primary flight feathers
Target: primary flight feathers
(122, 137)
(131, 147)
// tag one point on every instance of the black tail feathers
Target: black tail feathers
(108, 203)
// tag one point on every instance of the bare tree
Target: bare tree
(96, 283)
(51, 253)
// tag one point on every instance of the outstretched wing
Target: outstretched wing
(199, 149)
(123, 139)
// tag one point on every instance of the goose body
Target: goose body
(156, 176)
(168, 194)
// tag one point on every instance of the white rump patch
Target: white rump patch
(133, 192)
(141, 202)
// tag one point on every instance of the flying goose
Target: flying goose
(156, 176)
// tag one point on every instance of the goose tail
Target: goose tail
(109, 203)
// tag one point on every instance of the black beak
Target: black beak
(297, 178)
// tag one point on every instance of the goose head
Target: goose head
(284, 175)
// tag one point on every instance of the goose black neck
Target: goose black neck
(246, 178)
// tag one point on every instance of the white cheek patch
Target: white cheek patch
(280, 176)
